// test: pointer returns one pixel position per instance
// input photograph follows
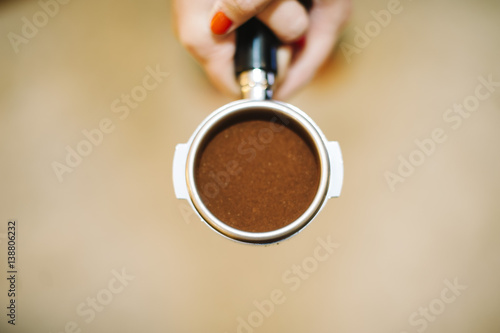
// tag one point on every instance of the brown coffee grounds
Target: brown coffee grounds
(257, 175)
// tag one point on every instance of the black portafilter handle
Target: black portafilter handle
(256, 47)
(255, 61)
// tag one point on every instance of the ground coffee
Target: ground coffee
(257, 175)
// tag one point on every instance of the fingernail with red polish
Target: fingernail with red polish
(220, 23)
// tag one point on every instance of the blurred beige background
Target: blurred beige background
(110, 249)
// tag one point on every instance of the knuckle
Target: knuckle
(194, 46)
(191, 41)
(298, 26)
(244, 7)
(187, 40)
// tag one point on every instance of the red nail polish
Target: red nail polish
(220, 23)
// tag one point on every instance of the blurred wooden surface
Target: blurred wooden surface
(401, 246)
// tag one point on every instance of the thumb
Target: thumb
(227, 15)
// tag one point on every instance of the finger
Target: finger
(284, 56)
(214, 53)
(288, 19)
(219, 67)
(227, 15)
(190, 27)
(326, 20)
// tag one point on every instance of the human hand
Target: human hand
(206, 28)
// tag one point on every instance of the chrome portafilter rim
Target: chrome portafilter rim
(279, 109)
